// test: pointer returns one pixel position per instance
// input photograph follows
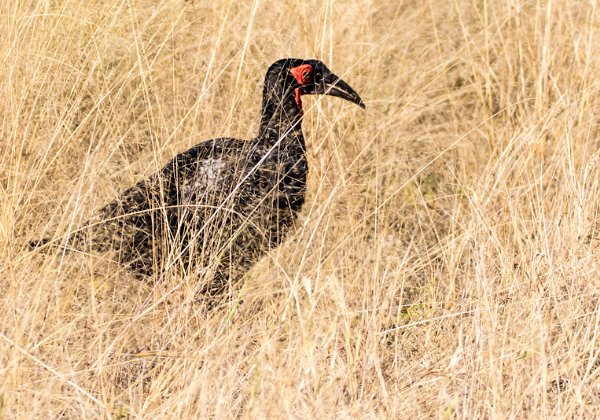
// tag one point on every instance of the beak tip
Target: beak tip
(335, 86)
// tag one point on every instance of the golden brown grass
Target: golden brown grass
(446, 263)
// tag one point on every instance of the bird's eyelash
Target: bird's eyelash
(302, 73)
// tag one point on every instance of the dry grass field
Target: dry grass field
(446, 263)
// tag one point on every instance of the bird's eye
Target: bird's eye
(302, 73)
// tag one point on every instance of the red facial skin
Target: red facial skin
(303, 75)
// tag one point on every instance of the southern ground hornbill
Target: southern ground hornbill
(224, 202)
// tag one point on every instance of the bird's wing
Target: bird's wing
(191, 176)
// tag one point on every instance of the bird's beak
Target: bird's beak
(334, 86)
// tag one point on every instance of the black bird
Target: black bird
(225, 202)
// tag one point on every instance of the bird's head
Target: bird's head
(310, 77)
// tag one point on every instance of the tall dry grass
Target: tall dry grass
(446, 263)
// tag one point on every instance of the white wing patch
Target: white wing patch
(207, 179)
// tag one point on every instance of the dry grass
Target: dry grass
(447, 259)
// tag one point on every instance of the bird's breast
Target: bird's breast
(283, 180)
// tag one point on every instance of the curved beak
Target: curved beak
(334, 86)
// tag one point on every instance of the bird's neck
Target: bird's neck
(281, 118)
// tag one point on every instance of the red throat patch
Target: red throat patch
(303, 75)
(299, 100)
